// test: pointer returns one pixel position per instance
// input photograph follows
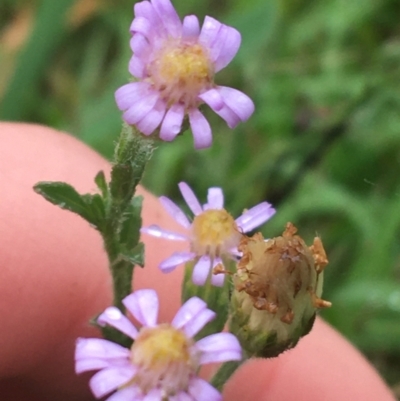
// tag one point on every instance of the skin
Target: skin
(54, 278)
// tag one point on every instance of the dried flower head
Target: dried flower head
(164, 359)
(174, 64)
(212, 234)
(278, 286)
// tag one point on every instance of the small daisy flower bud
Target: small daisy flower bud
(277, 292)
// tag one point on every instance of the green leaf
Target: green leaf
(90, 207)
(136, 255)
(217, 299)
(130, 231)
(101, 183)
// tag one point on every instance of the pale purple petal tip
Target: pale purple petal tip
(218, 279)
(209, 31)
(201, 390)
(140, 46)
(153, 119)
(190, 198)
(143, 304)
(146, 10)
(131, 393)
(237, 101)
(219, 347)
(98, 348)
(129, 94)
(255, 216)
(107, 380)
(158, 232)
(137, 67)
(225, 47)
(213, 98)
(201, 270)
(215, 198)
(115, 318)
(201, 129)
(141, 25)
(140, 108)
(175, 211)
(201, 319)
(188, 312)
(176, 259)
(169, 16)
(172, 123)
(191, 27)
(181, 397)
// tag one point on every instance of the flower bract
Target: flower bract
(212, 234)
(164, 358)
(174, 63)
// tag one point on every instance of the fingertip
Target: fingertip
(324, 366)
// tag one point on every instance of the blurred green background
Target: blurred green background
(323, 145)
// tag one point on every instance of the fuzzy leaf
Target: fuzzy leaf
(90, 207)
(130, 232)
(101, 183)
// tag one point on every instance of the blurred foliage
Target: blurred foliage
(323, 145)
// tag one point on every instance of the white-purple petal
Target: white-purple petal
(209, 31)
(201, 129)
(175, 211)
(143, 304)
(169, 17)
(217, 279)
(188, 312)
(201, 390)
(130, 393)
(255, 216)
(153, 395)
(213, 98)
(201, 270)
(201, 319)
(190, 198)
(107, 380)
(219, 347)
(231, 118)
(225, 47)
(158, 232)
(128, 94)
(85, 365)
(215, 198)
(140, 46)
(176, 259)
(153, 119)
(137, 67)
(145, 9)
(190, 27)
(99, 348)
(182, 396)
(237, 101)
(141, 25)
(139, 109)
(115, 318)
(172, 123)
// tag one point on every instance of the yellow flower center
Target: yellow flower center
(214, 232)
(180, 72)
(165, 359)
(157, 347)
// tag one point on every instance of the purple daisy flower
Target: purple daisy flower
(163, 360)
(174, 63)
(212, 234)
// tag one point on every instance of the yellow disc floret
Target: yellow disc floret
(214, 232)
(180, 72)
(165, 358)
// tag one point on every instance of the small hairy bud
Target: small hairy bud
(278, 285)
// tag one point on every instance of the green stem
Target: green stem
(132, 152)
(224, 373)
